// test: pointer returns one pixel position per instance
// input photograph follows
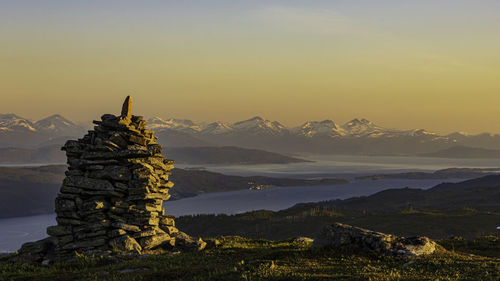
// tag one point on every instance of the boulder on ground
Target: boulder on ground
(185, 242)
(126, 243)
(339, 234)
(35, 252)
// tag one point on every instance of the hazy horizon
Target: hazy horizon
(401, 64)
(88, 122)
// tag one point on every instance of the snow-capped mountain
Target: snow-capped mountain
(259, 126)
(57, 124)
(255, 126)
(12, 122)
(216, 128)
(355, 136)
(184, 125)
(326, 128)
(363, 128)
(16, 131)
(356, 128)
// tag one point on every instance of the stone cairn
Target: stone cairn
(111, 199)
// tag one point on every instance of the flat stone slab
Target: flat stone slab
(88, 183)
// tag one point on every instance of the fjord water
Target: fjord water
(15, 231)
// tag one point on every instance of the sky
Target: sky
(432, 64)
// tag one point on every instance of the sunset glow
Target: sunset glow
(402, 64)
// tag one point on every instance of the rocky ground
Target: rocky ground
(239, 258)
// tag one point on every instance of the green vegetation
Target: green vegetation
(469, 209)
(308, 221)
(484, 246)
(26, 191)
(246, 259)
(192, 182)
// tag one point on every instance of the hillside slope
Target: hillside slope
(37, 187)
(469, 209)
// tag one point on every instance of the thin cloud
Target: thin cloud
(302, 19)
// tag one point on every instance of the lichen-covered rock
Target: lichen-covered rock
(185, 242)
(345, 235)
(125, 243)
(112, 195)
(152, 242)
(35, 252)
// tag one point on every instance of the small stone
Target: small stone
(92, 226)
(63, 240)
(85, 235)
(34, 252)
(94, 205)
(188, 243)
(127, 227)
(212, 243)
(138, 139)
(116, 232)
(94, 167)
(95, 242)
(169, 229)
(118, 140)
(145, 233)
(74, 173)
(58, 230)
(117, 173)
(125, 243)
(151, 242)
(64, 205)
(127, 108)
(303, 240)
(88, 183)
(64, 221)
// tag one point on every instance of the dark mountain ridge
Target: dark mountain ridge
(465, 152)
(195, 155)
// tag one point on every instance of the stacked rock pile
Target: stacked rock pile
(111, 199)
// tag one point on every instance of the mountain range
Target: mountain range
(358, 136)
(259, 126)
(16, 131)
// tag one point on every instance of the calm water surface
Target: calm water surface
(15, 231)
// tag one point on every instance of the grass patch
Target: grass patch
(257, 259)
(485, 246)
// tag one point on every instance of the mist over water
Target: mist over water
(348, 166)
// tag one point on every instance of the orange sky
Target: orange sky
(402, 64)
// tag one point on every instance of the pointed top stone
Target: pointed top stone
(127, 108)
